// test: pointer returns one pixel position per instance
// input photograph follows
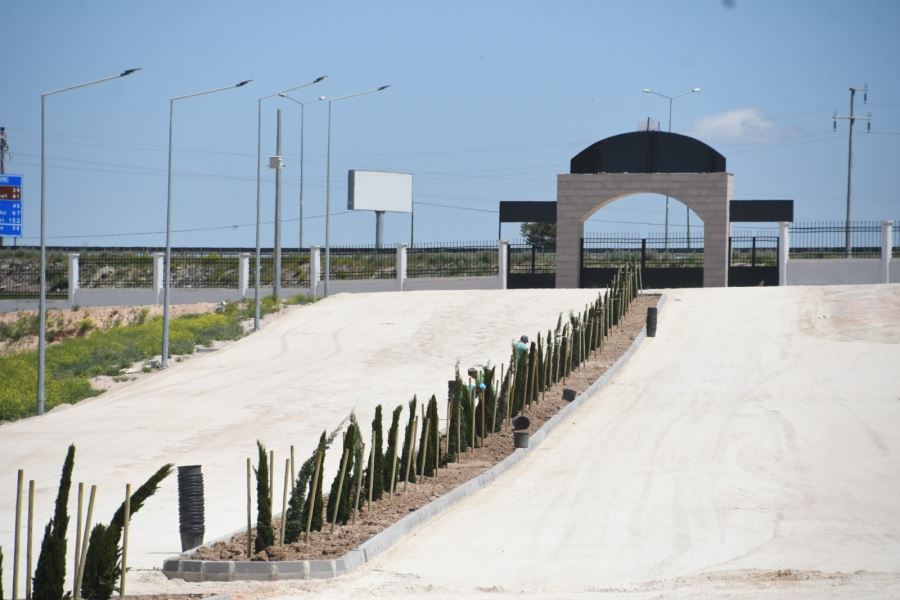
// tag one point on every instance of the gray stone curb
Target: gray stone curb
(242, 570)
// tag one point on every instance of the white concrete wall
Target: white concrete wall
(836, 271)
(895, 271)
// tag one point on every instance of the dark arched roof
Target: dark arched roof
(648, 152)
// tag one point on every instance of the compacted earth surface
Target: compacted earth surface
(410, 496)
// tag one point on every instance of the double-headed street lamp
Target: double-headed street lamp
(328, 181)
(302, 170)
(257, 270)
(164, 363)
(42, 299)
(670, 99)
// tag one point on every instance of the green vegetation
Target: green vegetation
(375, 477)
(74, 361)
(352, 445)
(315, 500)
(102, 566)
(265, 535)
(393, 433)
(50, 573)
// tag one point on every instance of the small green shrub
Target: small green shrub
(265, 535)
(50, 574)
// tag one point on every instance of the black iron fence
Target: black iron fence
(294, 269)
(753, 250)
(20, 274)
(362, 262)
(649, 251)
(862, 239)
(465, 259)
(525, 257)
(115, 269)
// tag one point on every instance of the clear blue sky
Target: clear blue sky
(489, 101)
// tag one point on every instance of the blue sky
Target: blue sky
(489, 101)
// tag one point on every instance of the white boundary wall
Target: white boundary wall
(839, 271)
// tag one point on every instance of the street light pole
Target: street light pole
(256, 268)
(164, 360)
(42, 298)
(302, 169)
(328, 182)
(687, 210)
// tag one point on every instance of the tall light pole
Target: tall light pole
(256, 268)
(853, 117)
(302, 170)
(164, 362)
(328, 181)
(688, 210)
(42, 299)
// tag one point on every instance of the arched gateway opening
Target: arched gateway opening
(657, 162)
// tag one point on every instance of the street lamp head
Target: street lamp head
(695, 90)
(322, 98)
(128, 72)
(647, 91)
(243, 83)
(320, 78)
(384, 87)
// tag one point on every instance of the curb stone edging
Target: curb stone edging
(242, 570)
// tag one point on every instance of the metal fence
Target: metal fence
(20, 274)
(204, 270)
(650, 251)
(753, 250)
(525, 257)
(462, 259)
(830, 240)
(294, 269)
(362, 262)
(115, 270)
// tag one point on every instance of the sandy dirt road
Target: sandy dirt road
(303, 373)
(749, 450)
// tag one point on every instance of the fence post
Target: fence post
(643, 253)
(243, 273)
(502, 263)
(158, 266)
(784, 249)
(315, 270)
(73, 278)
(753, 253)
(401, 266)
(887, 249)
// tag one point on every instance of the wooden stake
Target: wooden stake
(20, 482)
(394, 465)
(483, 421)
(337, 502)
(437, 446)
(284, 495)
(29, 538)
(459, 450)
(358, 486)
(371, 471)
(249, 513)
(293, 472)
(313, 494)
(424, 448)
(497, 395)
(412, 451)
(84, 541)
(472, 412)
(125, 539)
(78, 535)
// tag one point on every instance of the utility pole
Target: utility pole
(4, 150)
(852, 117)
(277, 164)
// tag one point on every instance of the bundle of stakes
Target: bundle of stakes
(478, 406)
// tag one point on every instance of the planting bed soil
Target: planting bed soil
(411, 496)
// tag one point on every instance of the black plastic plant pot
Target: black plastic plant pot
(568, 394)
(651, 321)
(190, 506)
(520, 439)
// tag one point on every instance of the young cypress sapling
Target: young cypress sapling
(407, 444)
(376, 479)
(265, 535)
(315, 502)
(51, 566)
(102, 568)
(393, 434)
(428, 447)
(352, 441)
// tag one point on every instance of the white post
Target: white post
(158, 268)
(243, 273)
(887, 248)
(784, 248)
(401, 266)
(502, 266)
(73, 278)
(315, 270)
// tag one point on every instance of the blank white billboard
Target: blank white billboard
(379, 190)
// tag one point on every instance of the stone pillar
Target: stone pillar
(887, 249)
(158, 274)
(502, 263)
(784, 250)
(315, 270)
(73, 278)
(243, 273)
(401, 266)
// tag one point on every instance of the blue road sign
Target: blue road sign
(11, 205)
